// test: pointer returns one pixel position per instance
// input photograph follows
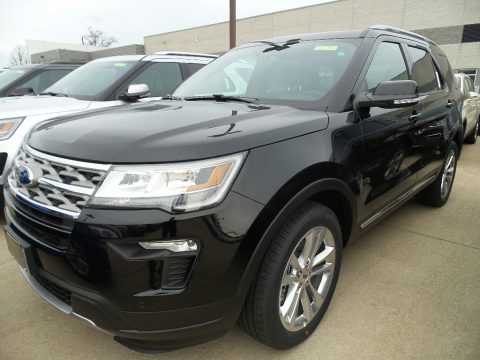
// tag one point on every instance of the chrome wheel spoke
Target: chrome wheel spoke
(294, 263)
(322, 269)
(307, 306)
(317, 297)
(289, 279)
(290, 307)
(323, 256)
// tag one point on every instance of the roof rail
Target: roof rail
(63, 62)
(180, 53)
(401, 31)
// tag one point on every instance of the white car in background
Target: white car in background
(101, 83)
(470, 108)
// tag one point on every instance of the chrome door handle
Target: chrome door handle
(415, 117)
(450, 104)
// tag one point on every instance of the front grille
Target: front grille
(63, 186)
(59, 292)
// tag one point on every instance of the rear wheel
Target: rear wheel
(437, 193)
(297, 279)
(472, 138)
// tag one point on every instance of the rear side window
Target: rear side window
(44, 80)
(162, 78)
(423, 70)
(387, 64)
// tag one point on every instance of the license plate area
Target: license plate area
(17, 250)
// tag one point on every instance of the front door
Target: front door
(389, 135)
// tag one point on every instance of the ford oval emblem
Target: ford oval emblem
(24, 175)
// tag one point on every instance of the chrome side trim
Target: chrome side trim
(64, 161)
(46, 208)
(60, 305)
(174, 246)
(396, 202)
(70, 188)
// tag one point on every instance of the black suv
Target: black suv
(164, 223)
(33, 79)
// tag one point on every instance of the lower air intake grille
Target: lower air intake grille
(178, 271)
(62, 294)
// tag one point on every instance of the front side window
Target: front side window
(89, 80)
(41, 81)
(296, 72)
(162, 78)
(423, 70)
(387, 64)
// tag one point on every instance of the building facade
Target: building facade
(81, 53)
(453, 24)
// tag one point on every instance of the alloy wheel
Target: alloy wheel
(448, 173)
(307, 278)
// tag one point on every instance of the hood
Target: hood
(168, 131)
(20, 106)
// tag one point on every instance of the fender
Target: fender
(325, 184)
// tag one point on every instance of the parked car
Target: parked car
(33, 79)
(470, 108)
(164, 223)
(101, 83)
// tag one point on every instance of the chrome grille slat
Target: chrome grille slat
(65, 186)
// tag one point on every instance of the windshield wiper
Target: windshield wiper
(222, 98)
(171, 97)
(279, 47)
(51, 93)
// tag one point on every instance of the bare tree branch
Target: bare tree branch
(18, 56)
(97, 38)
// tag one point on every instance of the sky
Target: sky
(128, 21)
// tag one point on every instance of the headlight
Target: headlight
(178, 187)
(8, 127)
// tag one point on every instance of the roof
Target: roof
(167, 55)
(372, 31)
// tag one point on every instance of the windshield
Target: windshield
(10, 76)
(291, 73)
(89, 80)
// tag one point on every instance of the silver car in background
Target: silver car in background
(470, 108)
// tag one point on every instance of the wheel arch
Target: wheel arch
(331, 190)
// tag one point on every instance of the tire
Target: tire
(268, 299)
(435, 194)
(472, 138)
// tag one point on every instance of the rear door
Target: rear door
(389, 136)
(435, 106)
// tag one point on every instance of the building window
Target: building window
(471, 33)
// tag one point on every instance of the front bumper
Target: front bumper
(94, 269)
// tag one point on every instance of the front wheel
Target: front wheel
(437, 193)
(297, 279)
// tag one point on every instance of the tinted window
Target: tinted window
(301, 73)
(43, 80)
(162, 78)
(89, 80)
(423, 70)
(387, 64)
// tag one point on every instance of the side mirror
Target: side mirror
(22, 91)
(136, 92)
(389, 95)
